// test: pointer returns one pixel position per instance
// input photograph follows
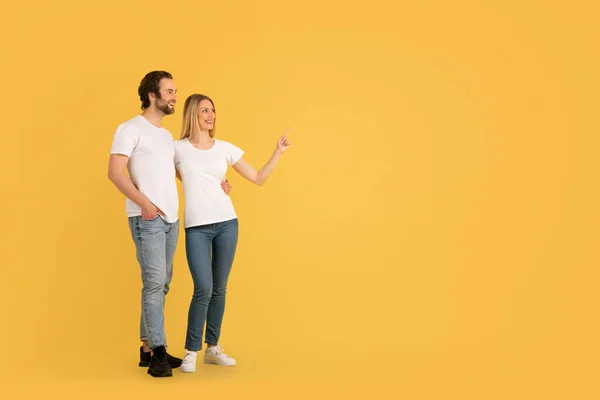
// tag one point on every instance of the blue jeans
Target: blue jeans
(155, 242)
(210, 251)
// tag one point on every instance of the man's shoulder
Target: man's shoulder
(136, 121)
(131, 125)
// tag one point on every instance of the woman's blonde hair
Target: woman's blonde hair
(191, 109)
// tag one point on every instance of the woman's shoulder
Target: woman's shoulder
(178, 142)
(180, 145)
(224, 143)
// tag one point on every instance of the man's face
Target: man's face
(167, 96)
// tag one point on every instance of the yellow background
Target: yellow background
(431, 234)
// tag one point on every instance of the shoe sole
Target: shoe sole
(216, 363)
(147, 364)
(165, 374)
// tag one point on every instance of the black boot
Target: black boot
(174, 362)
(159, 366)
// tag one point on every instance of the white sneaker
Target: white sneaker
(189, 362)
(215, 355)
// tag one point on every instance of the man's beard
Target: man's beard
(164, 107)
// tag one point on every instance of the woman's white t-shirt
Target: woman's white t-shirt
(201, 173)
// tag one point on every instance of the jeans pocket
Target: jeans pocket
(150, 226)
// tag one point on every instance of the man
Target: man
(145, 148)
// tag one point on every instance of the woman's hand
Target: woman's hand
(226, 186)
(283, 143)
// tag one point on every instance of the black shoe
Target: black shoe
(174, 362)
(159, 366)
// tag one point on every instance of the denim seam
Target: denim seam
(144, 271)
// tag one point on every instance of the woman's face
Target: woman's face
(206, 115)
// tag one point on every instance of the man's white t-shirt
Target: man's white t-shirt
(201, 173)
(151, 168)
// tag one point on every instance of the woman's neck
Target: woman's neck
(200, 138)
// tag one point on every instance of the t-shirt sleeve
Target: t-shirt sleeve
(233, 154)
(125, 139)
(177, 152)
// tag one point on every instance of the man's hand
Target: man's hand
(150, 211)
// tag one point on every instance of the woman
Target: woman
(211, 225)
